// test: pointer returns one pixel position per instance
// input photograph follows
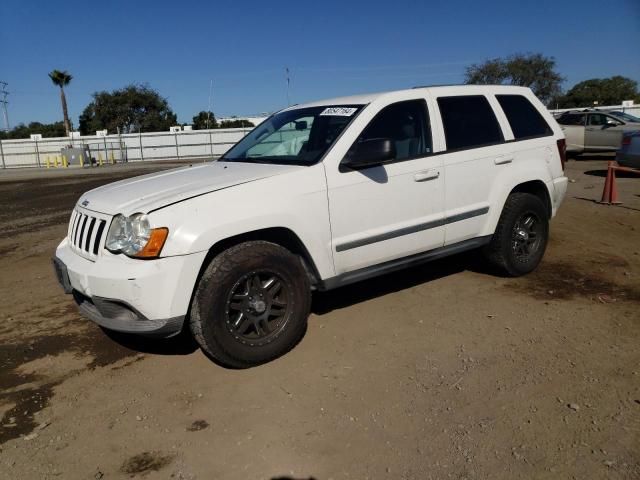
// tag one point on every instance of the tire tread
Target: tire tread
(224, 263)
(496, 251)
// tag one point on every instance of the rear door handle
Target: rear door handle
(503, 160)
(426, 175)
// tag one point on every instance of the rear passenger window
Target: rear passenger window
(469, 122)
(524, 118)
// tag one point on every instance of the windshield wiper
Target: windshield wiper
(248, 160)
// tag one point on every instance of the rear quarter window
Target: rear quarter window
(524, 118)
(469, 122)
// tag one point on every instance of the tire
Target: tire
(251, 304)
(520, 240)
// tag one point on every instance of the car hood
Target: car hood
(151, 192)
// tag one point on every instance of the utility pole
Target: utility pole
(209, 107)
(4, 103)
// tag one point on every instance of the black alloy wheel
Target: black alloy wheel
(257, 308)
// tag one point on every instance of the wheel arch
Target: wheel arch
(534, 186)
(279, 235)
(537, 188)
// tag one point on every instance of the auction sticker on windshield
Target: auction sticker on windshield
(339, 111)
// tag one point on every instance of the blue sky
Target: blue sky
(331, 47)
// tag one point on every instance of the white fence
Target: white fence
(136, 147)
(124, 148)
(633, 110)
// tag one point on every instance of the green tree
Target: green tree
(47, 130)
(239, 123)
(61, 78)
(532, 70)
(204, 120)
(134, 108)
(605, 91)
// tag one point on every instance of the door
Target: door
(603, 132)
(389, 211)
(573, 126)
(476, 155)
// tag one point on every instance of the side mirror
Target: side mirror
(370, 153)
(301, 125)
(610, 123)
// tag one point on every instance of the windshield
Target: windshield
(626, 116)
(299, 137)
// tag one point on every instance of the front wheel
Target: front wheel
(520, 239)
(251, 304)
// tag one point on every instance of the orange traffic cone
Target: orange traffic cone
(610, 191)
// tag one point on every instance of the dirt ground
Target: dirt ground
(444, 371)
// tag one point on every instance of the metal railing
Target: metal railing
(132, 147)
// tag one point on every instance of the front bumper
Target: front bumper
(149, 297)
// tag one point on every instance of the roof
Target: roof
(364, 99)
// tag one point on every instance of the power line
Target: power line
(4, 103)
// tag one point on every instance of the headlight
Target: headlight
(134, 237)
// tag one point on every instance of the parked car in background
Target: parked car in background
(624, 116)
(629, 153)
(594, 131)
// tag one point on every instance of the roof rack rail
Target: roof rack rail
(439, 85)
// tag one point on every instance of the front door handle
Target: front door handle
(503, 160)
(426, 175)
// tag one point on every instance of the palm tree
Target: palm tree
(62, 79)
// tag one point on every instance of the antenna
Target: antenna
(286, 70)
(4, 103)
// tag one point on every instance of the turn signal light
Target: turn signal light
(154, 246)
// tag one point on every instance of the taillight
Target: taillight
(562, 150)
(626, 140)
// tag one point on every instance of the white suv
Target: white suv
(317, 196)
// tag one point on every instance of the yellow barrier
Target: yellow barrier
(46, 161)
(100, 159)
(65, 162)
(55, 161)
(111, 158)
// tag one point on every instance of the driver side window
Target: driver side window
(406, 124)
(597, 119)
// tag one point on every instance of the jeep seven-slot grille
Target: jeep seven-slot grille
(86, 232)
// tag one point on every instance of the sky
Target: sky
(332, 48)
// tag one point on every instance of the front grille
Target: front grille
(86, 231)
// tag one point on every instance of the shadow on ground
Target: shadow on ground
(325, 302)
(603, 174)
(181, 344)
(592, 156)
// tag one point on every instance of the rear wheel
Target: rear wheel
(251, 304)
(520, 239)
